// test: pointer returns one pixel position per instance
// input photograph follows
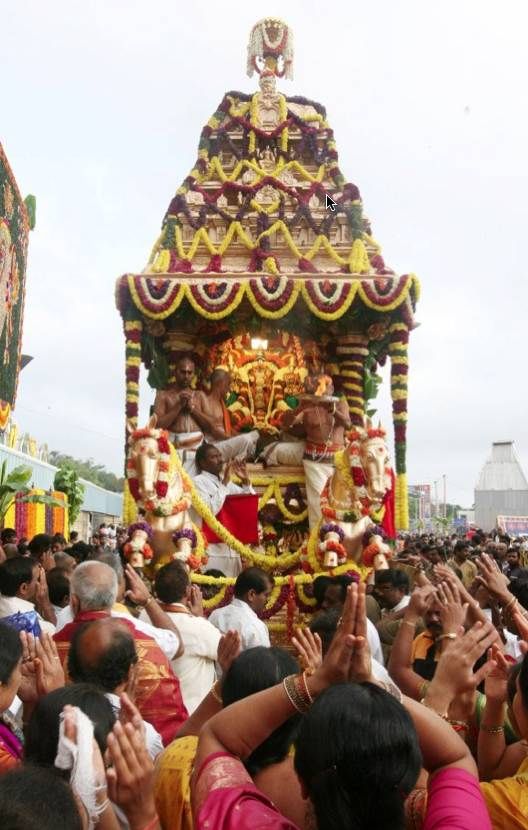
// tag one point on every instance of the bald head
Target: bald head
(102, 653)
(94, 584)
(184, 373)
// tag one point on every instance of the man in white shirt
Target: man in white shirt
(103, 653)
(23, 589)
(195, 669)
(213, 488)
(252, 589)
(391, 588)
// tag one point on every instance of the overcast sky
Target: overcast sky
(102, 103)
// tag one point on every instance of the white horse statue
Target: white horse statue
(162, 494)
(353, 500)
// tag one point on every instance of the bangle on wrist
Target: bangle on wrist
(150, 599)
(412, 623)
(297, 692)
(215, 692)
(449, 636)
(492, 730)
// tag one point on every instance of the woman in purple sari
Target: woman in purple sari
(10, 677)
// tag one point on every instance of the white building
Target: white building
(502, 488)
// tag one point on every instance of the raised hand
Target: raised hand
(492, 578)
(454, 674)
(421, 599)
(196, 601)
(496, 683)
(130, 779)
(42, 670)
(452, 612)
(360, 668)
(348, 657)
(309, 648)
(229, 647)
(239, 468)
(129, 713)
(137, 590)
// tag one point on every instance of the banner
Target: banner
(239, 515)
(14, 231)
(513, 525)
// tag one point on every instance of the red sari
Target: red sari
(158, 695)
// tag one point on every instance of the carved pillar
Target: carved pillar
(133, 332)
(399, 339)
(351, 352)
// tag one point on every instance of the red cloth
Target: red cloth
(388, 523)
(239, 514)
(158, 695)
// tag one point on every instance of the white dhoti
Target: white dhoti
(186, 444)
(284, 453)
(223, 558)
(316, 475)
(239, 446)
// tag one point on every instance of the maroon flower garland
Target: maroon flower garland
(277, 605)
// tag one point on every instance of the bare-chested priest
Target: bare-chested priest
(190, 415)
(323, 423)
(216, 423)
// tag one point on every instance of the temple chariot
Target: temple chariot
(266, 266)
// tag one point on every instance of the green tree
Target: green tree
(67, 481)
(15, 487)
(89, 470)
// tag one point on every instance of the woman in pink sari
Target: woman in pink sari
(358, 753)
(10, 677)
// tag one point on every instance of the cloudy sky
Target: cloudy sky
(102, 104)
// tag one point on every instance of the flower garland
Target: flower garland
(281, 589)
(273, 490)
(305, 603)
(163, 305)
(398, 350)
(133, 332)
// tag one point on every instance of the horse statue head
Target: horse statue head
(153, 475)
(369, 463)
(162, 493)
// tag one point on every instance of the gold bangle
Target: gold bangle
(492, 730)
(449, 636)
(293, 688)
(306, 689)
(408, 622)
(215, 692)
